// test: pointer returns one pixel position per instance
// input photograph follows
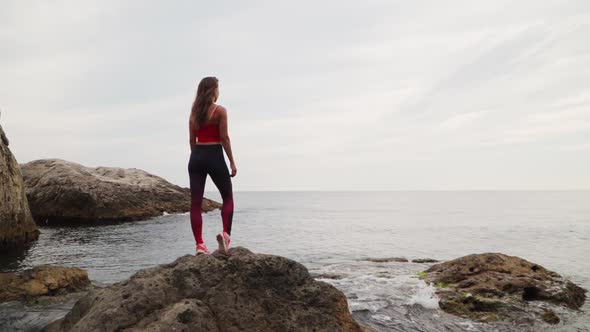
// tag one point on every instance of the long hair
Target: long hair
(205, 97)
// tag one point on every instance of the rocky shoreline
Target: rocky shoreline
(278, 293)
(242, 291)
(63, 192)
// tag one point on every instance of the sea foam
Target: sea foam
(425, 296)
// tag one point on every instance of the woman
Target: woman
(208, 138)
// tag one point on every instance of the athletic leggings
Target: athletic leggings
(208, 159)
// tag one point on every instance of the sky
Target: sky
(321, 95)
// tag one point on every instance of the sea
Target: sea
(334, 234)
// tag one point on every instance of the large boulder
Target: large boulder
(16, 224)
(490, 287)
(60, 191)
(239, 292)
(43, 280)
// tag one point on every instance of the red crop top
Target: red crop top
(208, 133)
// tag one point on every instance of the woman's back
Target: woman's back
(208, 132)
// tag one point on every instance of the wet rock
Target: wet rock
(332, 276)
(60, 191)
(550, 317)
(424, 260)
(387, 260)
(29, 285)
(17, 227)
(22, 316)
(490, 287)
(239, 292)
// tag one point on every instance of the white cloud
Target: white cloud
(461, 120)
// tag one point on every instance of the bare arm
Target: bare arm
(192, 137)
(225, 141)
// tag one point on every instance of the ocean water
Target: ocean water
(333, 234)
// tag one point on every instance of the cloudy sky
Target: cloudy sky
(321, 95)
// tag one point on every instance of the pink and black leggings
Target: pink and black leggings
(208, 159)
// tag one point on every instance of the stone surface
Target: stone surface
(332, 276)
(40, 281)
(64, 192)
(17, 227)
(239, 292)
(388, 259)
(550, 317)
(424, 260)
(492, 286)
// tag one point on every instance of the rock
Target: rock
(492, 286)
(64, 192)
(239, 292)
(332, 276)
(424, 260)
(387, 260)
(17, 227)
(43, 280)
(550, 317)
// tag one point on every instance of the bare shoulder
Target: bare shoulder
(222, 111)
